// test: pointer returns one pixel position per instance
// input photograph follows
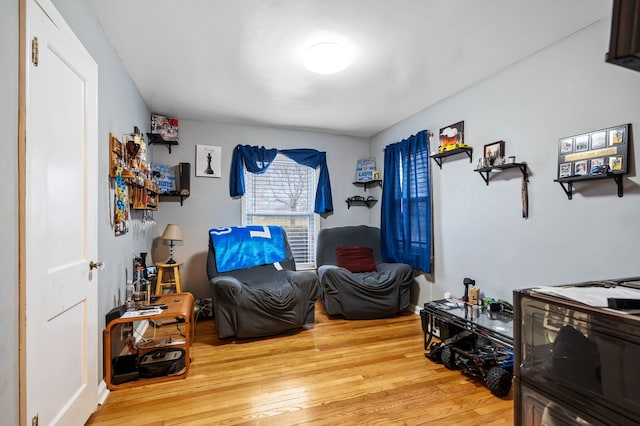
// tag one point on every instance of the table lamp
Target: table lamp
(172, 233)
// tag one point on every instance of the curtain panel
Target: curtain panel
(406, 203)
(257, 160)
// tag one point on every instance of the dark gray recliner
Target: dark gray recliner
(262, 300)
(361, 295)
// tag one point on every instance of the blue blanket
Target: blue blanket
(240, 247)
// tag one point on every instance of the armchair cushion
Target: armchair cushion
(356, 258)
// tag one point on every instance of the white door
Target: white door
(59, 232)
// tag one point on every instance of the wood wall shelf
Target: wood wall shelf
(567, 183)
(440, 156)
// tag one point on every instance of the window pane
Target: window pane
(283, 196)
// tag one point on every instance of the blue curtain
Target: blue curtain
(257, 160)
(406, 203)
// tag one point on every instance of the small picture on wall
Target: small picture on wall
(615, 163)
(597, 162)
(566, 145)
(581, 168)
(616, 135)
(598, 140)
(582, 143)
(208, 161)
(494, 150)
(565, 170)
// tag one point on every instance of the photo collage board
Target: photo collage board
(594, 153)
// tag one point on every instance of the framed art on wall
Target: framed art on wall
(494, 150)
(594, 153)
(208, 161)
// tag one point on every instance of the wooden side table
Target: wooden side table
(169, 275)
(178, 306)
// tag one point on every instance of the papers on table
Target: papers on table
(593, 296)
(141, 313)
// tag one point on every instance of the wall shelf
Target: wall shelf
(355, 201)
(567, 183)
(174, 197)
(369, 184)
(156, 139)
(440, 156)
(485, 172)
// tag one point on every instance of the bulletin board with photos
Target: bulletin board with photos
(596, 153)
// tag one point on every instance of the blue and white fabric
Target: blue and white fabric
(240, 247)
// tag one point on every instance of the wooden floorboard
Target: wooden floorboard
(336, 372)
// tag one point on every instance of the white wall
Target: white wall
(209, 204)
(9, 211)
(561, 91)
(120, 108)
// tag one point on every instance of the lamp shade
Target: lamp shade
(172, 232)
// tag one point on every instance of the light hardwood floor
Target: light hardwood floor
(337, 372)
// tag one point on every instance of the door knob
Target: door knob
(96, 265)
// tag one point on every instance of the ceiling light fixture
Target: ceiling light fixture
(327, 58)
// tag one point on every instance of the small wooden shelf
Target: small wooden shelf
(369, 184)
(178, 306)
(567, 183)
(438, 157)
(156, 139)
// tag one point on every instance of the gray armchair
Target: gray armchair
(261, 300)
(381, 293)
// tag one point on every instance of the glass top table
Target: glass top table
(495, 326)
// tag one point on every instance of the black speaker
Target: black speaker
(183, 178)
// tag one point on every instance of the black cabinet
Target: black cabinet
(576, 363)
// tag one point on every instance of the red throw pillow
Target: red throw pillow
(356, 258)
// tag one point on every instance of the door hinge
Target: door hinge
(34, 420)
(34, 51)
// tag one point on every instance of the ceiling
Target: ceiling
(240, 60)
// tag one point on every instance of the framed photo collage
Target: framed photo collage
(594, 154)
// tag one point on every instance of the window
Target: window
(284, 195)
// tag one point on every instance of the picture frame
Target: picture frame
(208, 161)
(566, 145)
(594, 153)
(494, 149)
(582, 143)
(565, 170)
(452, 137)
(598, 140)
(580, 168)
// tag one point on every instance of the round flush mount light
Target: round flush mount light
(327, 58)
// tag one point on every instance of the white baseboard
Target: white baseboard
(103, 392)
(415, 309)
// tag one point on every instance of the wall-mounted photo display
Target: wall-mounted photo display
(594, 153)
